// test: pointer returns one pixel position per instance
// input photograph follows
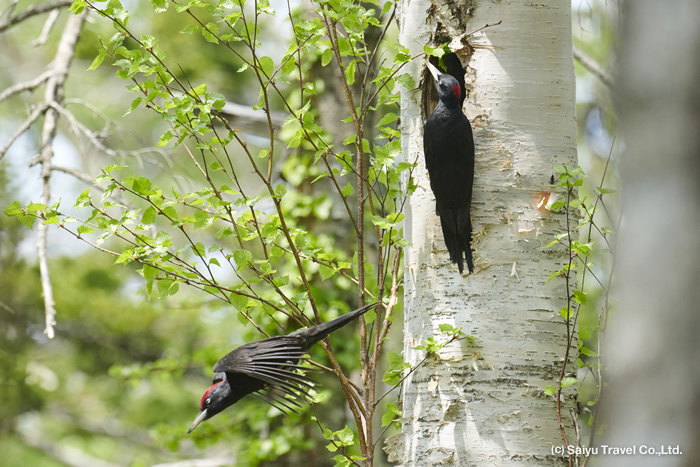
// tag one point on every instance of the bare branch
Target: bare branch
(82, 176)
(27, 85)
(33, 117)
(46, 30)
(31, 11)
(54, 93)
(89, 180)
(593, 66)
(254, 116)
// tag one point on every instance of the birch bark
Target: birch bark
(484, 402)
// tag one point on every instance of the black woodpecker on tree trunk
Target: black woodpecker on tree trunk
(267, 369)
(448, 145)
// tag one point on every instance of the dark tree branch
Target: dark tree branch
(34, 10)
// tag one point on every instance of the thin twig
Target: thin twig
(33, 117)
(26, 85)
(32, 11)
(46, 30)
(593, 66)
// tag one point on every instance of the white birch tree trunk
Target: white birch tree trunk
(484, 403)
(653, 404)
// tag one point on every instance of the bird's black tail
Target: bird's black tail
(316, 333)
(457, 232)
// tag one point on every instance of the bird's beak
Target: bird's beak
(434, 71)
(200, 418)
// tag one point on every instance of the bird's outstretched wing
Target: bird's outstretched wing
(273, 364)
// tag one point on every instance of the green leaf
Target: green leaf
(387, 418)
(346, 436)
(163, 238)
(202, 219)
(396, 368)
(190, 29)
(101, 54)
(567, 381)
(167, 287)
(83, 200)
(280, 190)
(14, 209)
(134, 105)
(288, 66)
(267, 65)
(164, 139)
(552, 243)
(210, 31)
(388, 118)
(326, 57)
(392, 413)
(224, 232)
(27, 219)
(606, 191)
(199, 249)
(550, 390)
(112, 168)
(406, 81)
(344, 46)
(347, 190)
(149, 272)
(142, 185)
(85, 229)
(125, 256)
(434, 52)
(565, 312)
(149, 215)
(350, 72)
(395, 217)
(159, 5)
(78, 6)
(239, 301)
(170, 213)
(325, 272)
(586, 351)
(34, 208)
(52, 218)
(242, 258)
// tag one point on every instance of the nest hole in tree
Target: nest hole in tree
(453, 66)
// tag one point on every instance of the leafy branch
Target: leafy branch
(239, 235)
(599, 226)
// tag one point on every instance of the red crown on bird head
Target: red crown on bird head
(206, 394)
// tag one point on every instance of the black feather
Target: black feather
(268, 370)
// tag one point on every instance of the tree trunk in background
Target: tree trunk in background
(654, 397)
(484, 403)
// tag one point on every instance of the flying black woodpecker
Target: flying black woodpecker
(267, 369)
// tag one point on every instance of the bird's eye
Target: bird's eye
(208, 401)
